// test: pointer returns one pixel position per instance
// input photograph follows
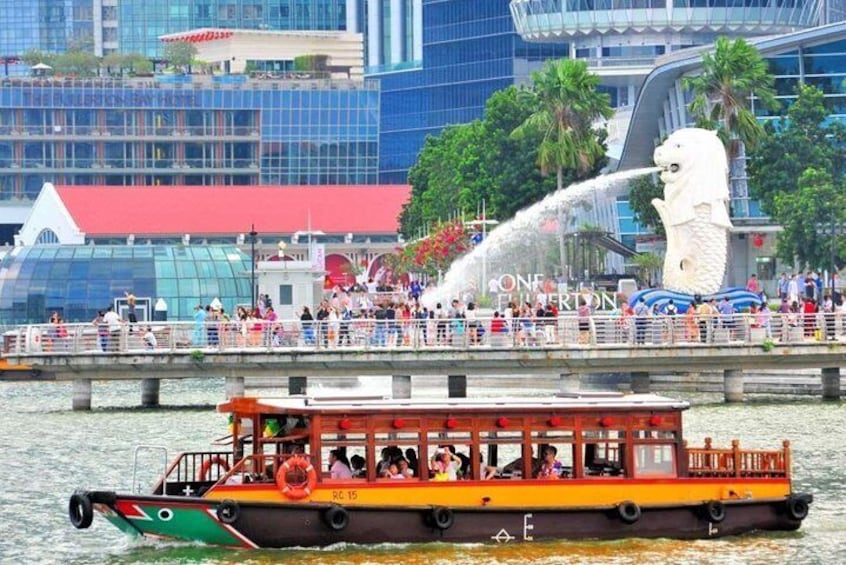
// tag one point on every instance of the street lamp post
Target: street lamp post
(253, 234)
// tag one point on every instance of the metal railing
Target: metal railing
(565, 331)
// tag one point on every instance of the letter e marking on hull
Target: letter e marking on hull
(527, 527)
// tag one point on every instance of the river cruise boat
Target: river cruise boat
(302, 471)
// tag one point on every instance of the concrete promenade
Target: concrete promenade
(660, 346)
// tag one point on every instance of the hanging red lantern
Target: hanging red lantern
(502, 422)
(606, 421)
(451, 423)
(398, 423)
(758, 240)
(555, 421)
(345, 424)
(655, 420)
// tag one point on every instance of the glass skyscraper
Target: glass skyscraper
(470, 50)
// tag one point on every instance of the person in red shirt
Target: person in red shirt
(498, 324)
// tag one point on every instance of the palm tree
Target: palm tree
(723, 90)
(569, 104)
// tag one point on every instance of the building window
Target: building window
(47, 237)
(286, 295)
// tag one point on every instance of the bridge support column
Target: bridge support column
(457, 386)
(297, 385)
(401, 386)
(831, 383)
(640, 382)
(150, 392)
(569, 382)
(234, 387)
(733, 385)
(81, 399)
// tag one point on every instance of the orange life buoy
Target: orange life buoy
(296, 489)
(207, 465)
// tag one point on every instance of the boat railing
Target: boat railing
(737, 462)
(195, 467)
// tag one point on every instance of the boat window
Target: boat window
(603, 453)
(655, 460)
(504, 450)
(397, 455)
(449, 455)
(352, 459)
(655, 434)
(561, 443)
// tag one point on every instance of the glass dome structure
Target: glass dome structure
(79, 280)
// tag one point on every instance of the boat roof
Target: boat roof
(348, 404)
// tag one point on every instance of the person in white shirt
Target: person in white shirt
(150, 341)
(113, 322)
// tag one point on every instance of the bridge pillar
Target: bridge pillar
(457, 386)
(297, 385)
(831, 383)
(401, 386)
(81, 395)
(150, 392)
(569, 382)
(733, 385)
(640, 382)
(234, 387)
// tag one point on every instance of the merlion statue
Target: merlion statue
(694, 211)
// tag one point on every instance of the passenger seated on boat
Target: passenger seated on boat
(339, 467)
(444, 465)
(405, 469)
(358, 470)
(411, 455)
(486, 472)
(392, 472)
(551, 467)
(389, 454)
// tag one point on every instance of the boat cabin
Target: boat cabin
(591, 436)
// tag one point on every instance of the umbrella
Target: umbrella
(41, 67)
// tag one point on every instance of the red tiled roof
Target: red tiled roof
(176, 210)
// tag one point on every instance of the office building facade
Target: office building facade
(145, 133)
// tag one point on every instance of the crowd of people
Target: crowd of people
(383, 315)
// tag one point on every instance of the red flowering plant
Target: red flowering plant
(436, 251)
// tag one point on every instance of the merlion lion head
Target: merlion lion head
(694, 159)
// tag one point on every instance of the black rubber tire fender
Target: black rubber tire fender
(228, 511)
(442, 517)
(797, 508)
(80, 510)
(629, 511)
(715, 511)
(336, 518)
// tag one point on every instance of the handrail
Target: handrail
(735, 462)
(364, 333)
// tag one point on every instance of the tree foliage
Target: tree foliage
(722, 92)
(470, 163)
(641, 192)
(567, 105)
(809, 217)
(797, 174)
(180, 53)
